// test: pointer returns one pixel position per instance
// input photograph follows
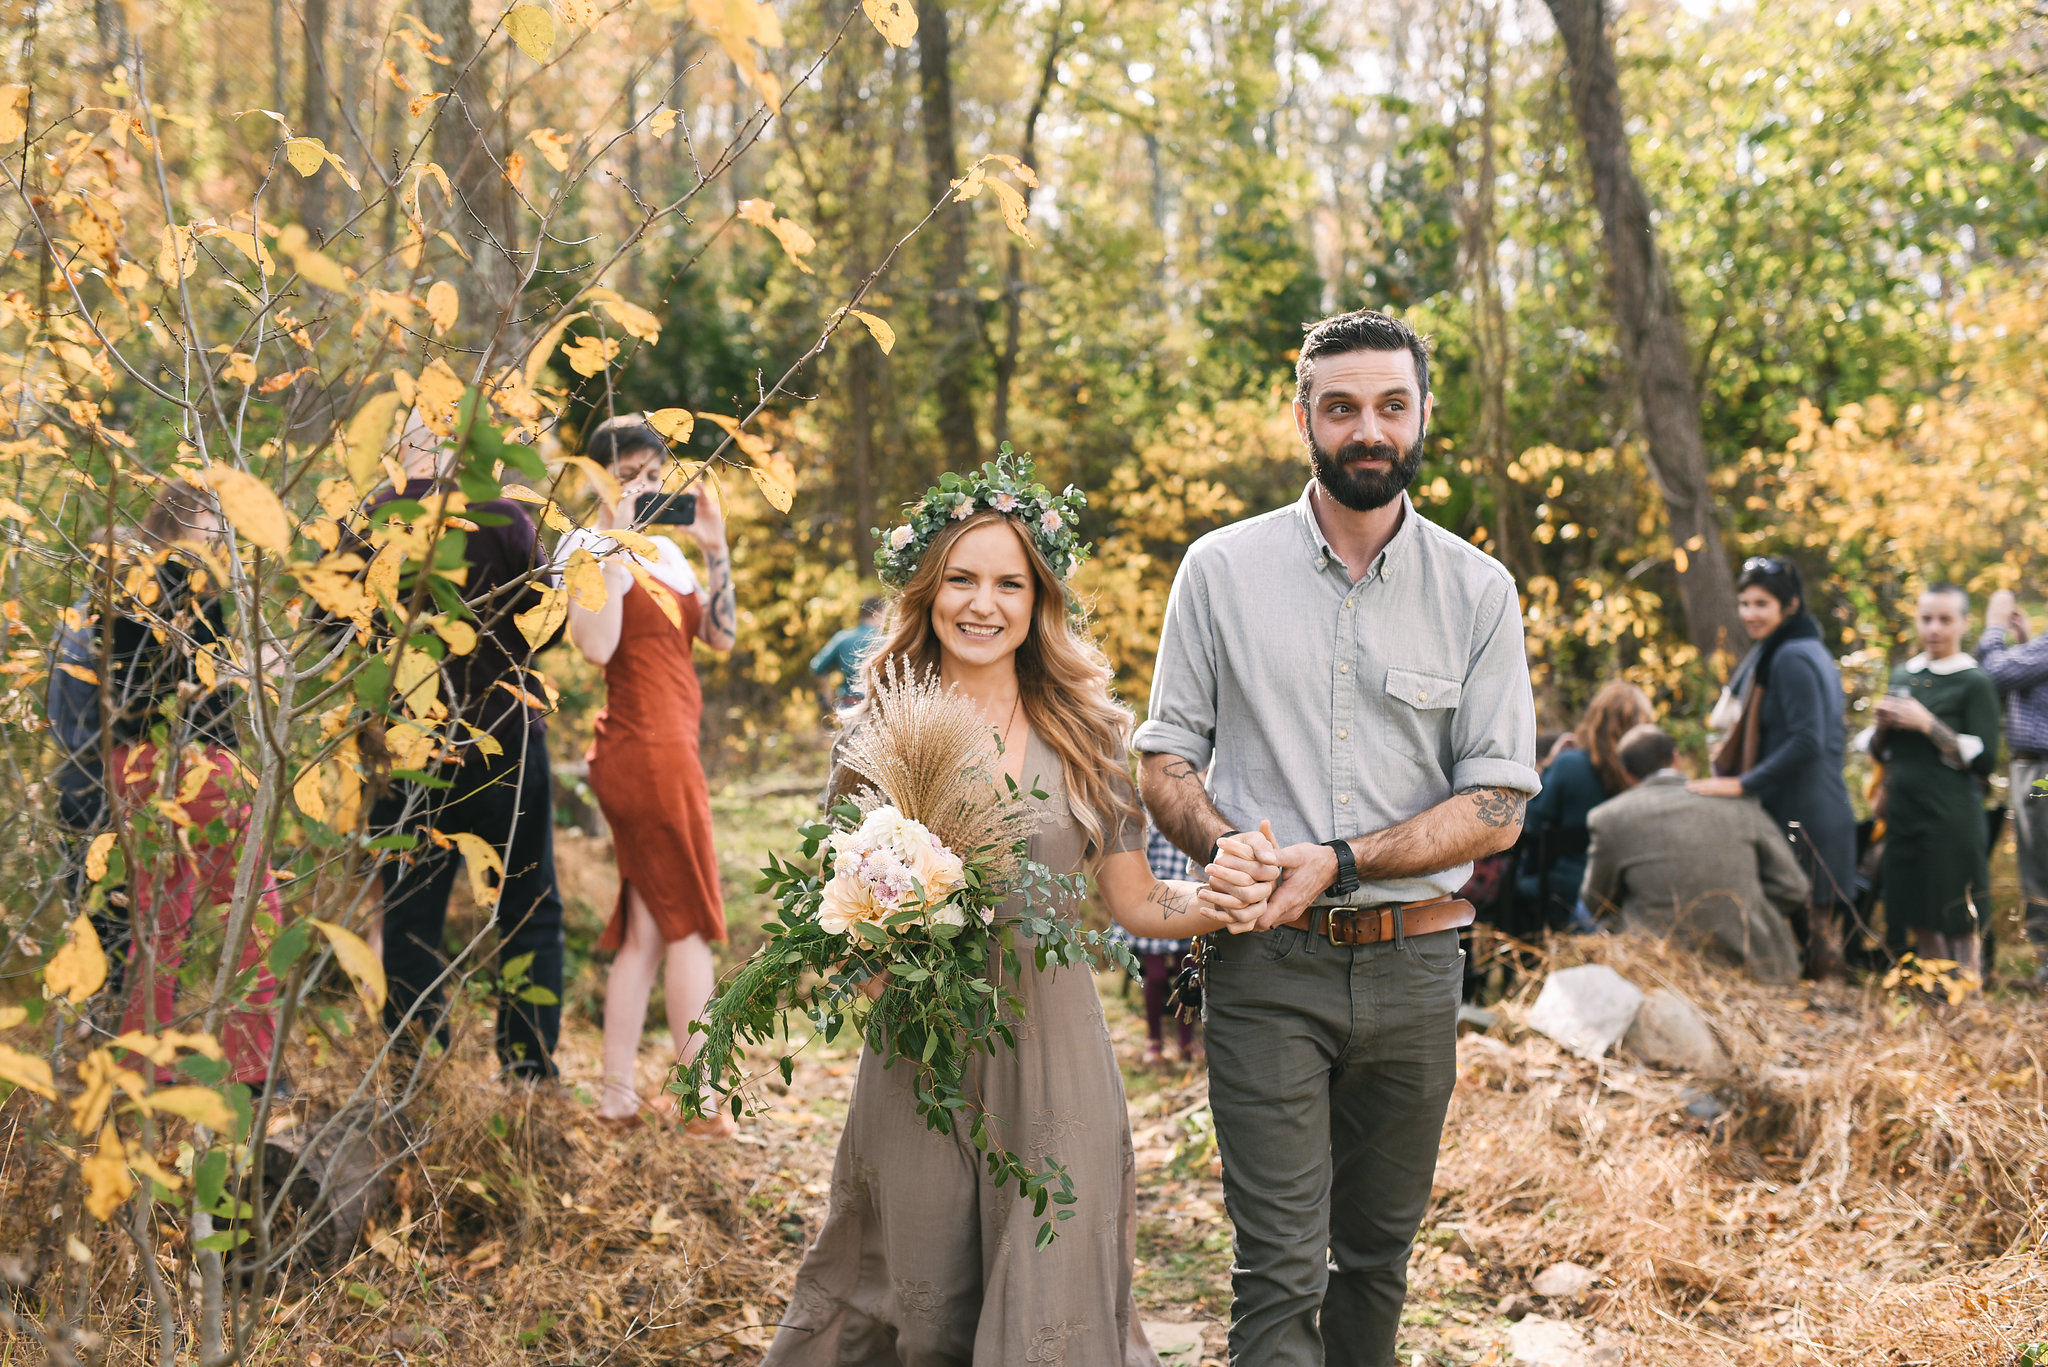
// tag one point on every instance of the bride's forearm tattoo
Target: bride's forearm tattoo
(1171, 899)
(1497, 807)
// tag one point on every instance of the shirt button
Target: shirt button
(1347, 602)
(1344, 798)
(1344, 669)
(1343, 735)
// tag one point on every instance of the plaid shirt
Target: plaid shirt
(2021, 673)
(1167, 862)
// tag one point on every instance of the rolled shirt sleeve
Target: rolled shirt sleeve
(1493, 739)
(1182, 717)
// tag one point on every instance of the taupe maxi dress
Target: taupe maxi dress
(921, 1262)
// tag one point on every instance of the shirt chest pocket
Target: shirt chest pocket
(1418, 709)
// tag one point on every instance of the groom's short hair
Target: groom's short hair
(1359, 330)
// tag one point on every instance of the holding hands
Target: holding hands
(1269, 884)
(1904, 714)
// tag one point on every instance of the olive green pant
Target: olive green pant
(1330, 1070)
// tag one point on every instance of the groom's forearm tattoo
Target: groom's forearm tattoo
(1179, 803)
(1497, 807)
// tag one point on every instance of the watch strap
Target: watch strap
(1346, 881)
(1216, 847)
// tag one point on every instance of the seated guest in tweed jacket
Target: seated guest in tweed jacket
(1713, 873)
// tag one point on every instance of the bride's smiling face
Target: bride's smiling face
(983, 609)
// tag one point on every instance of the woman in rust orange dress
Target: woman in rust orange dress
(644, 765)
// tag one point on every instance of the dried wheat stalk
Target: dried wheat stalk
(925, 750)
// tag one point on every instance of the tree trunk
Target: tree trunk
(469, 144)
(315, 119)
(1479, 252)
(952, 319)
(1651, 326)
(1013, 271)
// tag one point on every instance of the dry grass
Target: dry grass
(1875, 1192)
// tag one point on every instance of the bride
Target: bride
(921, 1260)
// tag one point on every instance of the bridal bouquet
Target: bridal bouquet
(914, 866)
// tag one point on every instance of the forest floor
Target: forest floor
(1873, 1190)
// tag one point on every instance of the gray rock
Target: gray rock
(1178, 1345)
(1540, 1342)
(1585, 1009)
(1515, 1306)
(1702, 1105)
(1669, 1032)
(1563, 1280)
(1476, 1018)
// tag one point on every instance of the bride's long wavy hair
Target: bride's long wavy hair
(1063, 678)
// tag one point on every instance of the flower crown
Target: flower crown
(1003, 485)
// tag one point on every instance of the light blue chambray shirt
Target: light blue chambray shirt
(1336, 709)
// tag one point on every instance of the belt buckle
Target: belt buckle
(1330, 915)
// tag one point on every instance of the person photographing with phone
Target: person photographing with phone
(644, 762)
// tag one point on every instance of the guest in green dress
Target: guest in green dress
(1937, 734)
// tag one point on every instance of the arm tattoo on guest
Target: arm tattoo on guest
(1948, 743)
(1497, 807)
(722, 613)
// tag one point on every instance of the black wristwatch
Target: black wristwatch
(1216, 847)
(1347, 870)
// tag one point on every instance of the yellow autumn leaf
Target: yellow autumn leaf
(481, 859)
(537, 359)
(895, 20)
(674, 423)
(459, 635)
(143, 1161)
(96, 856)
(554, 147)
(659, 592)
(11, 1016)
(79, 969)
(416, 679)
(249, 504)
(162, 1049)
(306, 792)
(306, 155)
(583, 580)
(533, 28)
(662, 121)
(99, 1075)
(318, 268)
(777, 481)
(369, 434)
(12, 123)
(1016, 213)
(241, 367)
(107, 1183)
(437, 396)
(178, 254)
(637, 322)
(540, 621)
(602, 482)
(27, 1072)
(80, 673)
(884, 335)
(200, 1105)
(443, 303)
(590, 355)
(362, 966)
(754, 445)
(247, 245)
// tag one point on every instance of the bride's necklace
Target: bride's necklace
(1003, 732)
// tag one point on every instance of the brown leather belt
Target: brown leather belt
(1348, 926)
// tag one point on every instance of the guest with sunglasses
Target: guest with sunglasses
(1782, 713)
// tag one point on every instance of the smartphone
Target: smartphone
(670, 510)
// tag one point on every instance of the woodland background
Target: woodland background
(1705, 280)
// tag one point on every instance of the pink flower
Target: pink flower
(1052, 521)
(900, 538)
(1004, 503)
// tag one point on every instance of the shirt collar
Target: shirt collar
(1319, 552)
(1950, 664)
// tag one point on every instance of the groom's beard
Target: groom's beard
(1346, 479)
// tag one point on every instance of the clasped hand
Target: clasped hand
(1256, 883)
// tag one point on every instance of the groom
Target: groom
(1351, 678)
